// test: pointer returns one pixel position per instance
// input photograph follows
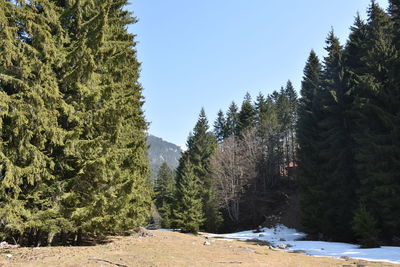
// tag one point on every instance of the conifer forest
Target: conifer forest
(73, 153)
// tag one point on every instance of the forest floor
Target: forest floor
(169, 249)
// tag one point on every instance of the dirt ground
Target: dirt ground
(168, 249)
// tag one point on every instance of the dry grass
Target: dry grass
(168, 249)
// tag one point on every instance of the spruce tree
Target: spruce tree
(291, 95)
(365, 228)
(201, 145)
(246, 116)
(355, 53)
(283, 109)
(30, 106)
(220, 130)
(308, 136)
(260, 107)
(188, 212)
(200, 151)
(337, 146)
(376, 131)
(232, 119)
(269, 134)
(165, 192)
(106, 186)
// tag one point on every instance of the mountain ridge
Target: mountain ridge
(160, 151)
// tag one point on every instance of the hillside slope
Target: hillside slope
(160, 151)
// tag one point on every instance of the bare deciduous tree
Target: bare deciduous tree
(235, 167)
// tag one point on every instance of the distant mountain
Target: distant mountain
(160, 151)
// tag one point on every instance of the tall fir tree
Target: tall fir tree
(165, 194)
(220, 126)
(200, 147)
(376, 131)
(283, 110)
(30, 106)
(188, 213)
(232, 120)
(337, 146)
(247, 115)
(308, 136)
(355, 53)
(291, 95)
(260, 107)
(106, 185)
(269, 133)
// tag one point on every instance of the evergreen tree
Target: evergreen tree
(283, 110)
(291, 95)
(337, 146)
(165, 192)
(394, 11)
(30, 106)
(232, 120)
(260, 107)
(308, 136)
(201, 145)
(220, 127)
(246, 117)
(356, 133)
(269, 133)
(106, 185)
(188, 212)
(355, 53)
(377, 126)
(364, 226)
(201, 150)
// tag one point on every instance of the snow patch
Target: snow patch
(283, 235)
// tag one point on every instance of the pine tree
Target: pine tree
(283, 110)
(355, 53)
(337, 146)
(376, 131)
(165, 192)
(246, 117)
(200, 151)
(106, 186)
(364, 226)
(260, 107)
(30, 106)
(188, 213)
(269, 133)
(308, 136)
(220, 127)
(291, 95)
(232, 119)
(201, 145)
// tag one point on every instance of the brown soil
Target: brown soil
(168, 249)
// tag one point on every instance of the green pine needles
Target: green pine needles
(72, 144)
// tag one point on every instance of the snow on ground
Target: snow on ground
(283, 235)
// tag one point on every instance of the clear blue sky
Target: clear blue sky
(206, 53)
